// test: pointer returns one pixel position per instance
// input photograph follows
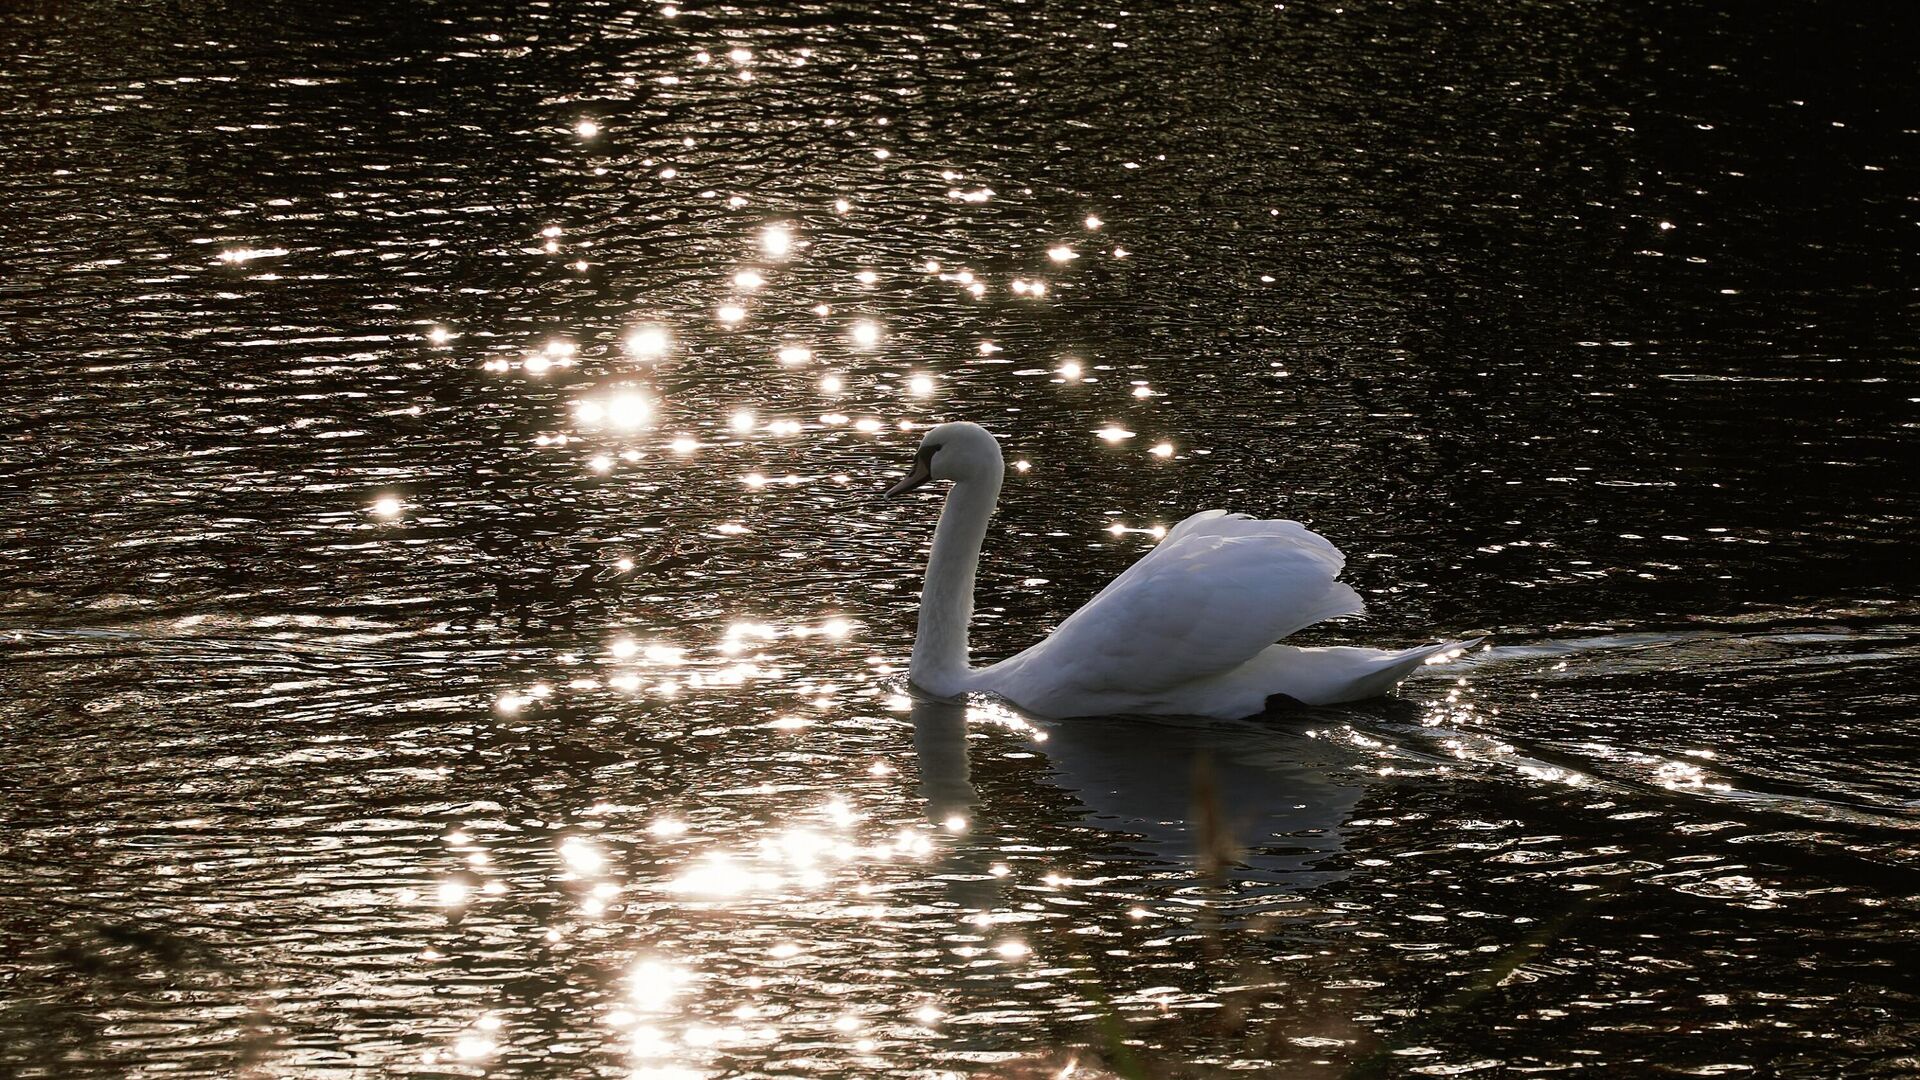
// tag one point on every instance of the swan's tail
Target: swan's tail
(1395, 667)
(1329, 675)
(1339, 673)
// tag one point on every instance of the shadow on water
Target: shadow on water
(1262, 796)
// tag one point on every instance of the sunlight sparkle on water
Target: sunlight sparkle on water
(795, 354)
(625, 410)
(236, 256)
(1070, 370)
(1162, 450)
(777, 241)
(865, 333)
(628, 410)
(653, 985)
(729, 314)
(1114, 433)
(748, 280)
(838, 812)
(718, 875)
(386, 506)
(587, 129)
(742, 421)
(647, 342)
(581, 856)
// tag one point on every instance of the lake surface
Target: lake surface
(449, 629)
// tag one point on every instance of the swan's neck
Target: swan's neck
(946, 602)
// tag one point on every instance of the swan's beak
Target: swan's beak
(915, 477)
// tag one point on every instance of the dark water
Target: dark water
(1586, 326)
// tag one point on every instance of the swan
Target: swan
(1190, 629)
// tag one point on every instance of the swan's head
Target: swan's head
(956, 451)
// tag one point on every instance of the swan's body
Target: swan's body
(1188, 630)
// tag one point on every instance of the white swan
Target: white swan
(1187, 630)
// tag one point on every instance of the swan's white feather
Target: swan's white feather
(1210, 597)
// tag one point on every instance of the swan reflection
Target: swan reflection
(1174, 787)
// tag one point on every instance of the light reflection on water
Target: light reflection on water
(448, 627)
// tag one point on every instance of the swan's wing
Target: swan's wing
(1223, 523)
(1215, 592)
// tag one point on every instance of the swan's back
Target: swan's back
(1219, 589)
